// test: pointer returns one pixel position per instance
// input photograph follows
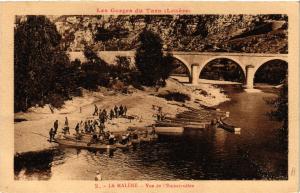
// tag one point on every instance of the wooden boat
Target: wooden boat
(185, 125)
(70, 137)
(161, 130)
(88, 139)
(158, 130)
(119, 145)
(83, 138)
(84, 145)
(228, 127)
(186, 122)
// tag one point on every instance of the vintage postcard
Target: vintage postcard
(149, 97)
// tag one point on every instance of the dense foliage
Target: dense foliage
(43, 73)
(150, 60)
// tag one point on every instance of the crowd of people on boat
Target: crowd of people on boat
(95, 128)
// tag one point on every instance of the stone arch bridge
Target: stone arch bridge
(196, 61)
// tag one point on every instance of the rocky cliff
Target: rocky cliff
(224, 33)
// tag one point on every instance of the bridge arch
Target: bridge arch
(183, 61)
(224, 58)
(275, 75)
(269, 60)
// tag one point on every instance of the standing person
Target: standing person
(121, 110)
(116, 111)
(123, 139)
(125, 110)
(158, 117)
(98, 176)
(153, 130)
(111, 139)
(95, 111)
(160, 109)
(92, 128)
(55, 126)
(104, 114)
(51, 135)
(101, 138)
(86, 127)
(81, 125)
(111, 114)
(67, 130)
(66, 121)
(89, 126)
(77, 128)
(101, 128)
(102, 118)
(95, 122)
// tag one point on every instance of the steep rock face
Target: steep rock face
(226, 33)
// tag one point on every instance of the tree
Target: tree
(39, 64)
(115, 33)
(149, 58)
(168, 66)
(94, 71)
(90, 54)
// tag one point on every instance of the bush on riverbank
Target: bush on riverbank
(175, 96)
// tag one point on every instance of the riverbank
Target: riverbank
(31, 134)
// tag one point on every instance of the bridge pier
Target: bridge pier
(195, 74)
(249, 76)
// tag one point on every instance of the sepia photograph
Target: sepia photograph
(151, 97)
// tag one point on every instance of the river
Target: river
(203, 154)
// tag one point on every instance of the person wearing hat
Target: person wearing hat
(98, 176)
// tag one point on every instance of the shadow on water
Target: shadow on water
(38, 165)
(35, 162)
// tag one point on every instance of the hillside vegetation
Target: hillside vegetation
(226, 33)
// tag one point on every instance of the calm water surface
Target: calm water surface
(255, 153)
